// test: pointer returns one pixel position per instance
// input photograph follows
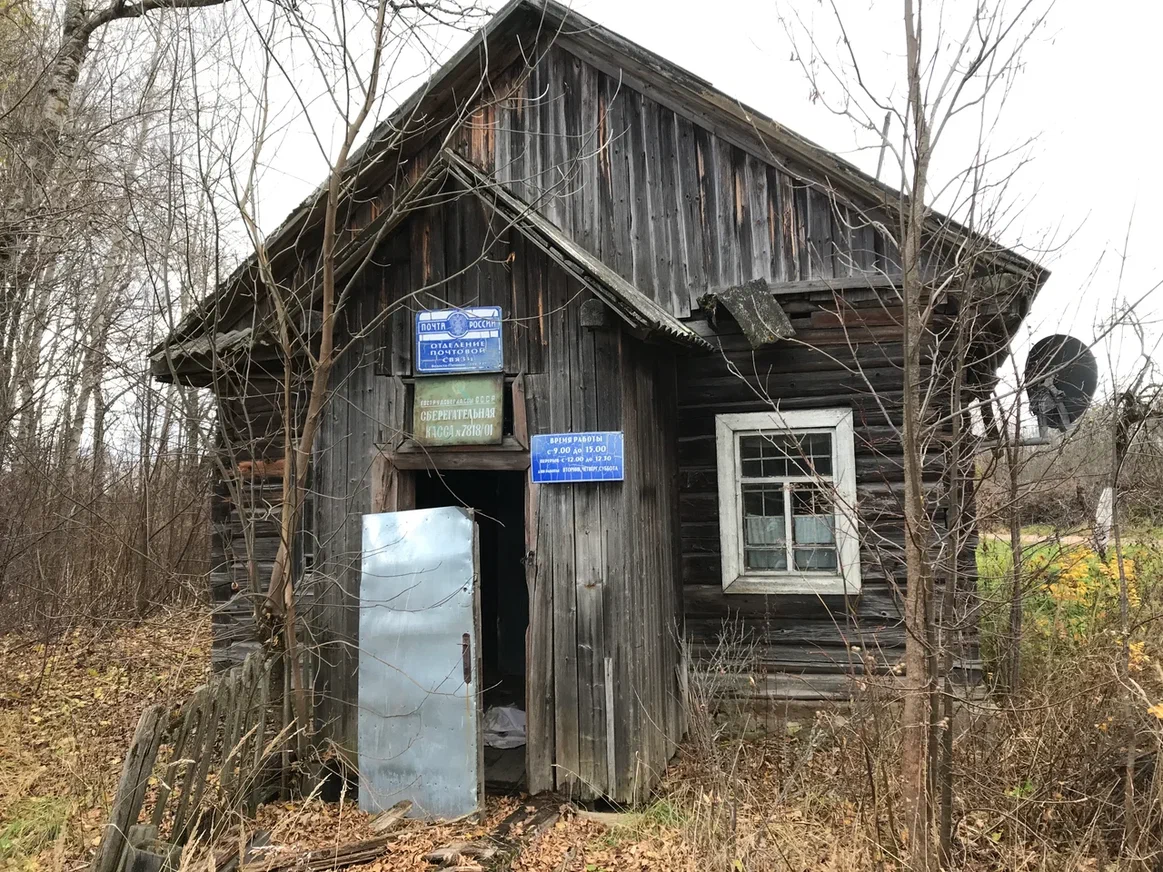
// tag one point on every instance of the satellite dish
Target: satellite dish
(1061, 377)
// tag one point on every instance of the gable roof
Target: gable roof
(497, 43)
(642, 314)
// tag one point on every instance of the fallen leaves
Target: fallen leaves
(67, 712)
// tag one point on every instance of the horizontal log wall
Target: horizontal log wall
(853, 361)
(245, 508)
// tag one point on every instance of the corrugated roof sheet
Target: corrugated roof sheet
(754, 306)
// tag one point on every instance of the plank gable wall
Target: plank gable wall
(689, 211)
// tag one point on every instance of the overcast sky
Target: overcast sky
(1087, 96)
(1082, 115)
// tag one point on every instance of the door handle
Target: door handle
(466, 657)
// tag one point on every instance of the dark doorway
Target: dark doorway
(498, 499)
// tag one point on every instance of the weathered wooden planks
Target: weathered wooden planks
(227, 727)
(663, 185)
(685, 209)
(130, 789)
(540, 707)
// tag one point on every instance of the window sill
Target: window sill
(779, 585)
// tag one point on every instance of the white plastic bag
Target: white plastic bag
(504, 727)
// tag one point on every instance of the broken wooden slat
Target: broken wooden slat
(259, 757)
(192, 707)
(193, 737)
(521, 827)
(320, 859)
(141, 854)
(231, 728)
(388, 820)
(131, 788)
(238, 733)
(194, 784)
(226, 859)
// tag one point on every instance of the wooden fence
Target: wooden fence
(219, 750)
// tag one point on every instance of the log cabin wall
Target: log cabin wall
(245, 506)
(604, 713)
(808, 646)
(680, 208)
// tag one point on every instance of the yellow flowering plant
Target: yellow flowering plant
(1071, 601)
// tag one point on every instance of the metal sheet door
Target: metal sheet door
(419, 670)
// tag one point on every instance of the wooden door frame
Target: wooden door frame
(393, 489)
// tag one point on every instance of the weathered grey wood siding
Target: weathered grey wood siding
(670, 204)
(678, 206)
(605, 555)
(850, 357)
(662, 196)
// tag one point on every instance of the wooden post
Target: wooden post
(392, 489)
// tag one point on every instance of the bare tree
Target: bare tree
(83, 432)
(957, 69)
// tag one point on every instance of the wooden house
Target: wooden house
(671, 266)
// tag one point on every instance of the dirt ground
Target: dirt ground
(68, 710)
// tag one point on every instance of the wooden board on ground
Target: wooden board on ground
(504, 844)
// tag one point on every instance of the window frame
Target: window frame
(736, 578)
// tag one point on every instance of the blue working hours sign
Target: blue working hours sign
(563, 458)
(459, 340)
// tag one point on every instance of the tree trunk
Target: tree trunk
(915, 715)
(1121, 442)
(1013, 662)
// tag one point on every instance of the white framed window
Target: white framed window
(787, 502)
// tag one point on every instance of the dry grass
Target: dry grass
(68, 709)
(700, 822)
(1038, 784)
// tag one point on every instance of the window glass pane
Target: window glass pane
(813, 529)
(769, 455)
(763, 456)
(764, 529)
(816, 559)
(818, 448)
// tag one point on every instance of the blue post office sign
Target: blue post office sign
(564, 458)
(459, 340)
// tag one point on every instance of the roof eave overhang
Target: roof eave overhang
(645, 317)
